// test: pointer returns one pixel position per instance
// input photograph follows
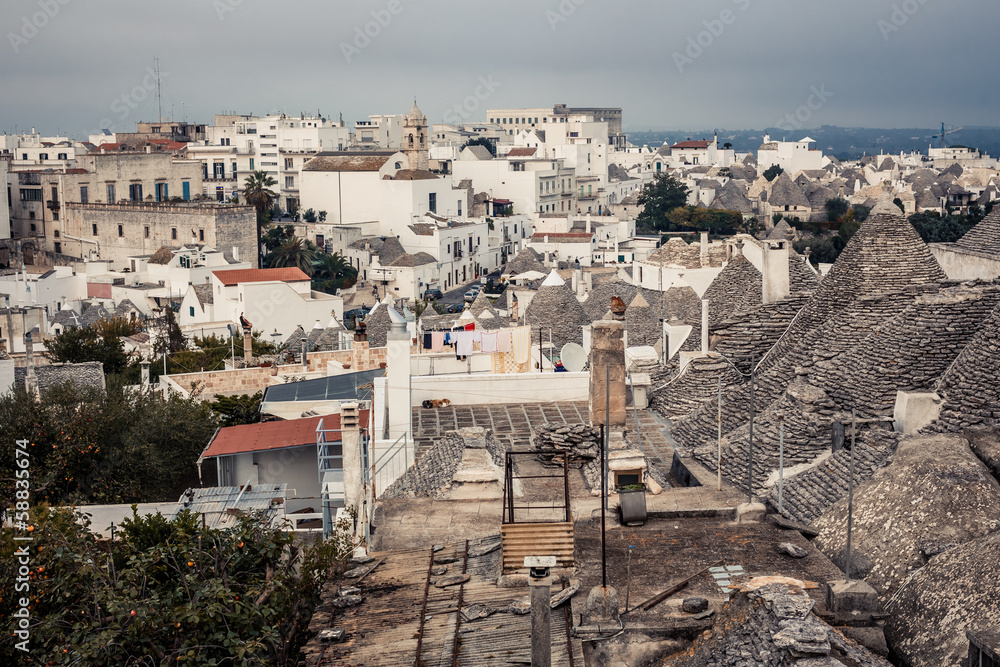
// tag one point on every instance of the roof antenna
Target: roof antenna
(159, 106)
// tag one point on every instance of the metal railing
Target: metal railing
(390, 466)
(508, 490)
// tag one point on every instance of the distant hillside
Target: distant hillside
(843, 142)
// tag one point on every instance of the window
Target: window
(155, 129)
(121, 231)
(162, 192)
(218, 170)
(33, 228)
(145, 231)
(55, 214)
(84, 194)
(43, 156)
(234, 168)
(201, 234)
(251, 164)
(460, 208)
(111, 193)
(191, 310)
(135, 191)
(289, 181)
(61, 156)
(55, 233)
(186, 190)
(93, 229)
(32, 194)
(58, 247)
(432, 202)
(24, 156)
(288, 163)
(173, 233)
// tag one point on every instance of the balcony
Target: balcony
(52, 204)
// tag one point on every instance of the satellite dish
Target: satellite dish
(573, 357)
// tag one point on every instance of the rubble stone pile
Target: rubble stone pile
(582, 442)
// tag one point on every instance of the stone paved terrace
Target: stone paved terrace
(514, 423)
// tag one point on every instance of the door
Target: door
(186, 190)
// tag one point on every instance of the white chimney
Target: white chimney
(588, 223)
(350, 440)
(774, 270)
(704, 248)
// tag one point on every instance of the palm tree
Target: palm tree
(332, 272)
(293, 252)
(257, 193)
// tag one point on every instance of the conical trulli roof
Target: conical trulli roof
(599, 300)
(480, 304)
(526, 260)
(556, 307)
(885, 255)
(985, 236)
(801, 277)
(736, 289)
(641, 323)
(970, 387)
(377, 324)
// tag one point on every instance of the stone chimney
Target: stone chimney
(774, 270)
(30, 379)
(350, 438)
(247, 346)
(144, 365)
(704, 248)
(607, 373)
(588, 223)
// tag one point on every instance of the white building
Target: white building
(528, 183)
(791, 156)
(34, 150)
(379, 132)
(271, 299)
(276, 144)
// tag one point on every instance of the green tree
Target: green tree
(322, 216)
(257, 192)
(309, 215)
(332, 272)
(706, 219)
(836, 208)
(293, 252)
(167, 591)
(275, 236)
(773, 172)
(80, 344)
(237, 410)
(861, 212)
(933, 228)
(665, 193)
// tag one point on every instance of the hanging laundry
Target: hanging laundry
(521, 342)
(490, 343)
(463, 343)
(471, 326)
(503, 340)
(438, 340)
(428, 341)
(448, 339)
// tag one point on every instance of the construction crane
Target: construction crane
(945, 134)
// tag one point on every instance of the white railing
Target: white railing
(391, 465)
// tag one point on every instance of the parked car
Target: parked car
(471, 294)
(432, 294)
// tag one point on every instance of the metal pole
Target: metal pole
(781, 460)
(719, 462)
(539, 349)
(604, 481)
(628, 574)
(750, 486)
(850, 493)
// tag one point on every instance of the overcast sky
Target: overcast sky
(669, 64)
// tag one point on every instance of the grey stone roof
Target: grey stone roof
(744, 172)
(953, 593)
(682, 302)
(732, 197)
(67, 317)
(599, 298)
(735, 290)
(774, 626)
(416, 259)
(969, 388)
(374, 244)
(88, 374)
(391, 250)
(688, 255)
(93, 314)
(480, 152)
(377, 324)
(934, 494)
(784, 192)
(781, 231)
(985, 236)
(125, 308)
(526, 260)
(204, 294)
(641, 322)
(555, 307)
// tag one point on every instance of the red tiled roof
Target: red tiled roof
(521, 152)
(235, 276)
(273, 435)
(692, 144)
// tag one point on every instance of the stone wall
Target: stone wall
(252, 380)
(170, 224)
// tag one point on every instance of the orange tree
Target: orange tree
(163, 591)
